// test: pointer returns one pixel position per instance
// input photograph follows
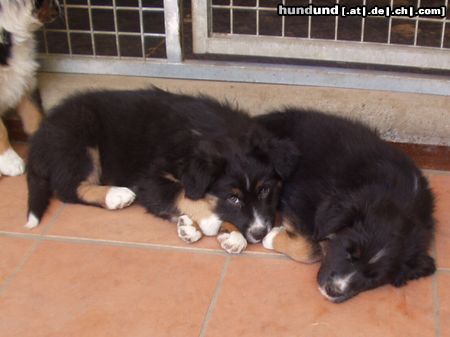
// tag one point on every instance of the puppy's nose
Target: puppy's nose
(258, 233)
(332, 290)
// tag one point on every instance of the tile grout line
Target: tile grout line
(436, 303)
(81, 240)
(50, 224)
(212, 304)
(435, 299)
(31, 250)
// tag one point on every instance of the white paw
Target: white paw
(233, 242)
(119, 197)
(11, 164)
(210, 226)
(268, 239)
(187, 231)
(32, 222)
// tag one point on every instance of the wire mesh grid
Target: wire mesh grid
(116, 28)
(260, 18)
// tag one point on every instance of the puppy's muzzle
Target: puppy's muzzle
(255, 234)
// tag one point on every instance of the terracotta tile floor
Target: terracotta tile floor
(91, 272)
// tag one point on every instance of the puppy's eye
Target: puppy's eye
(264, 192)
(234, 200)
(353, 253)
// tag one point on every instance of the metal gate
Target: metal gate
(145, 38)
(422, 41)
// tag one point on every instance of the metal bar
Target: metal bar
(107, 32)
(363, 24)
(200, 28)
(309, 23)
(66, 19)
(336, 23)
(172, 21)
(121, 8)
(283, 22)
(253, 73)
(390, 24)
(257, 17)
(141, 28)
(416, 29)
(44, 31)
(326, 50)
(91, 26)
(231, 17)
(443, 26)
(254, 8)
(116, 30)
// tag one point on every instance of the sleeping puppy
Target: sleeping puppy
(186, 159)
(366, 201)
(19, 19)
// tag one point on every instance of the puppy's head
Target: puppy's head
(46, 10)
(245, 178)
(23, 17)
(370, 241)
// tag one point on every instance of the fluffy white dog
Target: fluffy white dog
(19, 20)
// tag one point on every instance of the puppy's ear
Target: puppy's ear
(281, 153)
(284, 156)
(331, 216)
(202, 170)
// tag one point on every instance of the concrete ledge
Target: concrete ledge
(400, 117)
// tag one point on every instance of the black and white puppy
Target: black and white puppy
(178, 155)
(366, 199)
(19, 19)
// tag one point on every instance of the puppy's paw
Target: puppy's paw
(233, 242)
(268, 239)
(32, 221)
(187, 231)
(119, 197)
(417, 267)
(11, 164)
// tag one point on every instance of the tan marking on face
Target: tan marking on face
(228, 227)
(4, 140)
(170, 177)
(196, 209)
(30, 115)
(92, 194)
(237, 192)
(259, 184)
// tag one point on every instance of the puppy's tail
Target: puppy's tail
(39, 193)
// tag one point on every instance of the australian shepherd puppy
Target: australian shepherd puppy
(365, 200)
(204, 164)
(19, 19)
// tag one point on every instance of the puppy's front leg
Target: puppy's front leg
(188, 230)
(30, 114)
(201, 212)
(299, 248)
(10, 162)
(231, 239)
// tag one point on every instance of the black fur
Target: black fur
(5, 47)
(362, 196)
(143, 136)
